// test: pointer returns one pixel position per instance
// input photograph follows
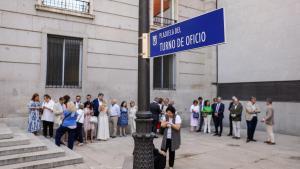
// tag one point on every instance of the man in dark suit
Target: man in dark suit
(201, 118)
(219, 115)
(213, 106)
(88, 100)
(155, 110)
(98, 102)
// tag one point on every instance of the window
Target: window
(73, 5)
(64, 57)
(81, 8)
(164, 72)
(163, 12)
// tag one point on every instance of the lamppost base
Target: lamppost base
(143, 142)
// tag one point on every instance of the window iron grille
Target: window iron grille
(82, 6)
(64, 55)
(161, 21)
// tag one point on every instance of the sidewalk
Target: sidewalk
(202, 151)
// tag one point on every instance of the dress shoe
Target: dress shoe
(267, 142)
(229, 134)
(272, 143)
(253, 140)
(216, 134)
(248, 140)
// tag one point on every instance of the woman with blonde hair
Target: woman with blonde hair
(132, 115)
(68, 125)
(103, 124)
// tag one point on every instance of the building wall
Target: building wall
(109, 55)
(262, 46)
(195, 69)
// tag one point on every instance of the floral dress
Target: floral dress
(34, 116)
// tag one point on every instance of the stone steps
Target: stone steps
(5, 132)
(32, 147)
(70, 159)
(20, 150)
(32, 156)
(18, 139)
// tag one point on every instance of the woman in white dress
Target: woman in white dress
(103, 124)
(195, 113)
(132, 116)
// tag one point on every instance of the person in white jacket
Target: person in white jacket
(79, 124)
(58, 111)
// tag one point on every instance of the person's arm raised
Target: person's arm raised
(176, 126)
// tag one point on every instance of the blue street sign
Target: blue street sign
(204, 30)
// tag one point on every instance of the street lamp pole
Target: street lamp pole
(143, 138)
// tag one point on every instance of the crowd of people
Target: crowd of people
(83, 121)
(203, 112)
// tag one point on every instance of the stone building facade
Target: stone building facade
(90, 46)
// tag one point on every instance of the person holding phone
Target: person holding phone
(171, 139)
(48, 116)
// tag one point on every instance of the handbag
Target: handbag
(195, 115)
(94, 119)
(65, 118)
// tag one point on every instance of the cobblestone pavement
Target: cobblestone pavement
(201, 151)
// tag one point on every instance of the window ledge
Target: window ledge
(166, 89)
(63, 11)
(62, 87)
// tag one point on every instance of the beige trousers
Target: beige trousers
(114, 121)
(270, 136)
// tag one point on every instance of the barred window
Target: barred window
(164, 12)
(72, 5)
(164, 72)
(64, 57)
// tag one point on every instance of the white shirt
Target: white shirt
(218, 107)
(100, 102)
(114, 110)
(194, 109)
(58, 111)
(48, 115)
(201, 105)
(132, 112)
(80, 117)
(177, 121)
(77, 105)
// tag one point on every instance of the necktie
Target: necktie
(218, 106)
